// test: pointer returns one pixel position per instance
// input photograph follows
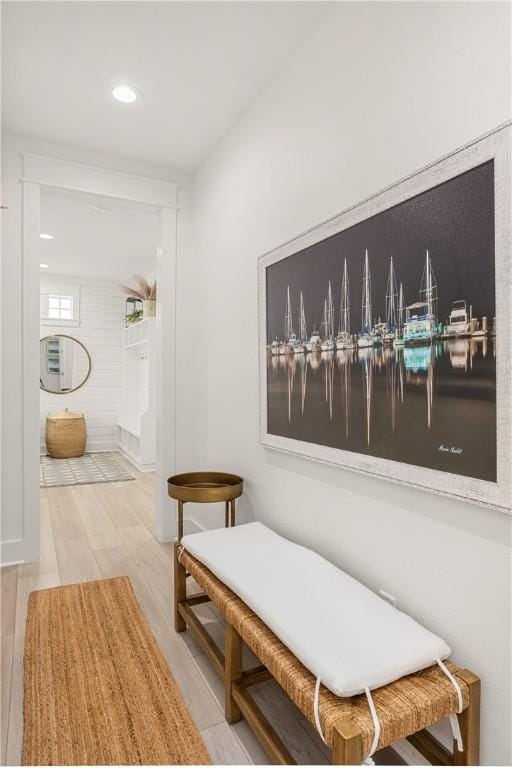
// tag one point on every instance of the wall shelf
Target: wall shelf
(138, 332)
(136, 425)
(141, 343)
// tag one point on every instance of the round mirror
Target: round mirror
(65, 364)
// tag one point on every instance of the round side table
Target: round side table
(205, 488)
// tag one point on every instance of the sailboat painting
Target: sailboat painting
(396, 371)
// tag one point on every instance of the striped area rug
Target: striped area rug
(89, 468)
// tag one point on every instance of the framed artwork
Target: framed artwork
(386, 332)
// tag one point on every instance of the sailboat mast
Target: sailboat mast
(391, 297)
(288, 323)
(345, 303)
(428, 282)
(302, 320)
(367, 301)
(330, 313)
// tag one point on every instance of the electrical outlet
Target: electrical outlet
(389, 598)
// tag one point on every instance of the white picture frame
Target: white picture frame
(495, 146)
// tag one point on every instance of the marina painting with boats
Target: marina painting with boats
(381, 339)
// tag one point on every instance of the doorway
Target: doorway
(49, 176)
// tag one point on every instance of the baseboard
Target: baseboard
(190, 525)
(133, 460)
(90, 449)
(13, 552)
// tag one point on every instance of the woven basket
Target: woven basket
(66, 434)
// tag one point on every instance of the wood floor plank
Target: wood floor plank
(223, 746)
(8, 585)
(5, 694)
(152, 561)
(250, 743)
(148, 484)
(99, 528)
(145, 480)
(137, 539)
(116, 507)
(141, 503)
(408, 753)
(210, 675)
(200, 701)
(76, 560)
(65, 520)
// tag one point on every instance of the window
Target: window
(60, 307)
(59, 303)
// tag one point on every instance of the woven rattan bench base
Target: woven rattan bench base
(405, 708)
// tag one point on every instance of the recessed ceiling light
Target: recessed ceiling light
(46, 236)
(44, 266)
(126, 94)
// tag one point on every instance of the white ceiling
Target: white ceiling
(112, 243)
(198, 64)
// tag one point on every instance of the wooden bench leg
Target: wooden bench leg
(180, 589)
(469, 722)
(347, 748)
(232, 672)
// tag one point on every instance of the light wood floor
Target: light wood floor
(103, 530)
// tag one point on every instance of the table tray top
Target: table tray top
(204, 487)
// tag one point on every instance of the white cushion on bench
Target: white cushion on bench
(339, 629)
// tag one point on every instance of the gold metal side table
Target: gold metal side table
(205, 488)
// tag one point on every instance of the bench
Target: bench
(405, 707)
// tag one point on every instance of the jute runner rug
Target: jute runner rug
(97, 689)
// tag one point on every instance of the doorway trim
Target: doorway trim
(39, 172)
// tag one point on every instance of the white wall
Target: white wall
(376, 92)
(102, 310)
(13, 535)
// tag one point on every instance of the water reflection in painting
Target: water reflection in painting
(395, 402)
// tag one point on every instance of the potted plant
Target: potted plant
(134, 316)
(144, 291)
